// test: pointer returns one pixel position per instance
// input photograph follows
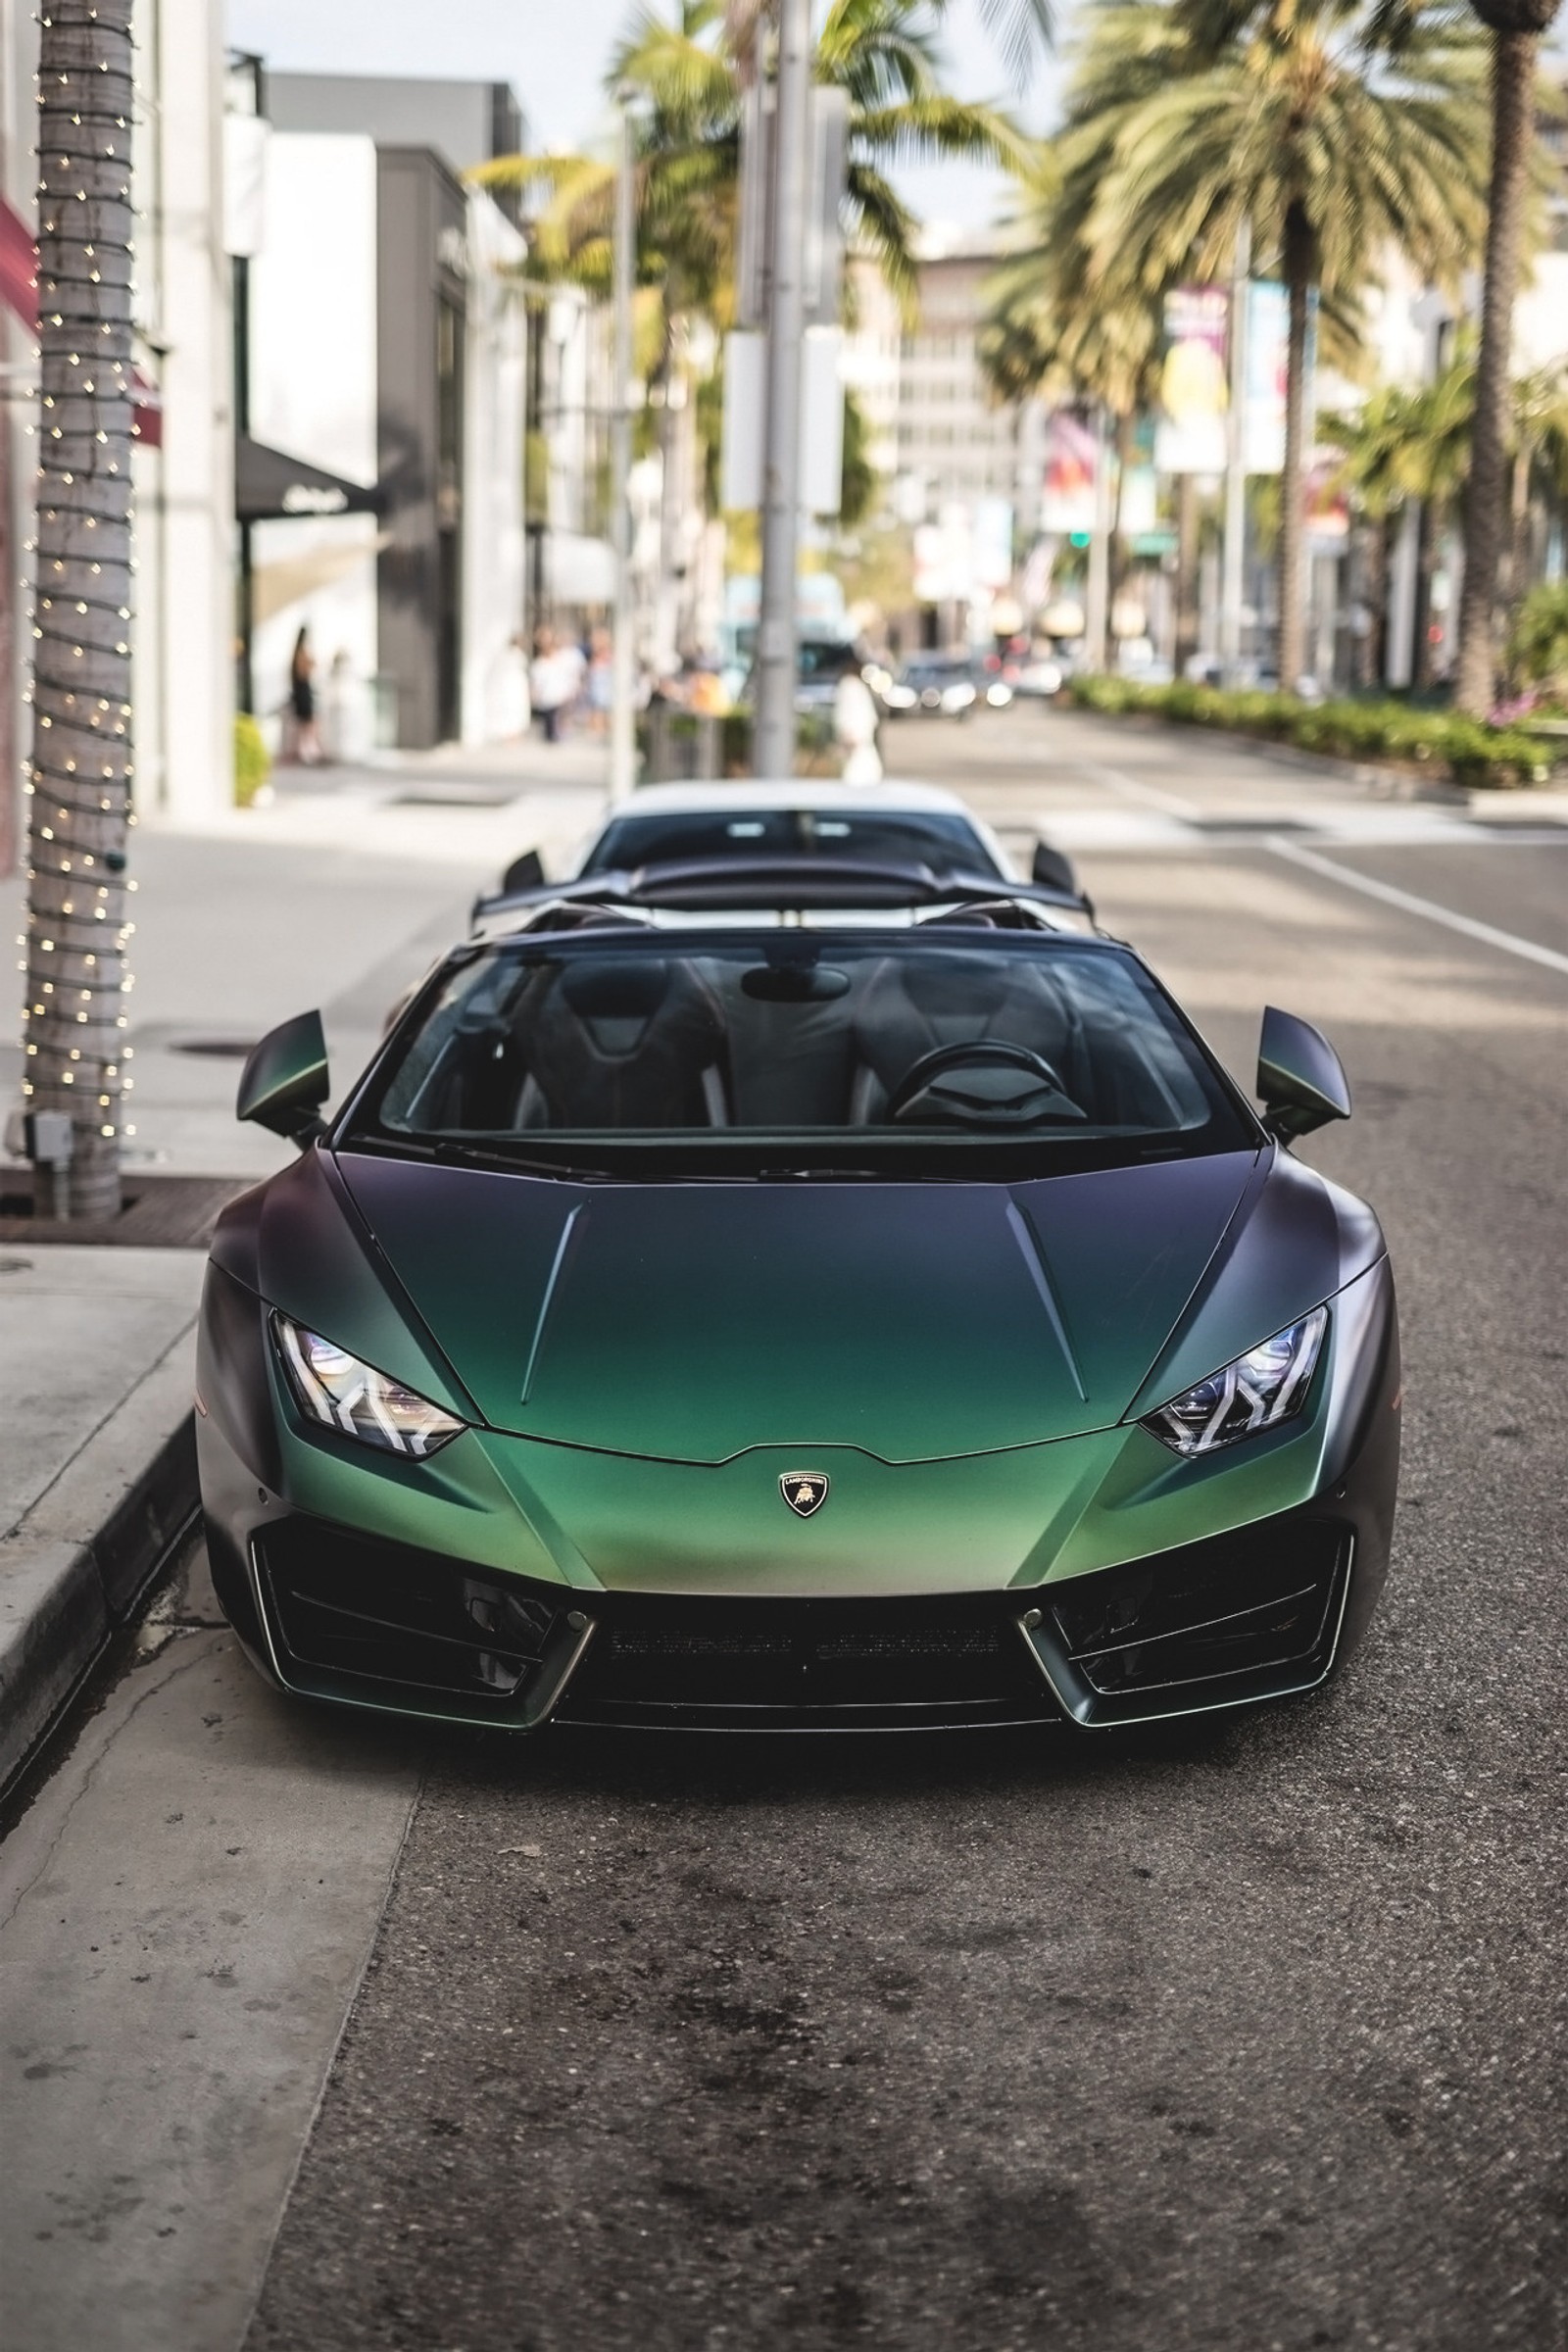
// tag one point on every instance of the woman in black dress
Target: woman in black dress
(302, 702)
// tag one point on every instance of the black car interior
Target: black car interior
(796, 1033)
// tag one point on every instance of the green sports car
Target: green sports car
(806, 1320)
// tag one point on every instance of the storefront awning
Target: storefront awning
(269, 486)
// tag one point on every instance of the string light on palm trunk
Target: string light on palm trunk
(79, 778)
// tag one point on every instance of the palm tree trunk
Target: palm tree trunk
(1371, 652)
(1430, 540)
(1513, 131)
(80, 775)
(1298, 260)
(1126, 453)
(1187, 619)
(1517, 572)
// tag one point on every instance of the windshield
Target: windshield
(938, 671)
(946, 844)
(933, 1054)
(818, 658)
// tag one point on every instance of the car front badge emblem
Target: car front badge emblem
(805, 1491)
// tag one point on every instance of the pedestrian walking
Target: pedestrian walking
(307, 746)
(854, 726)
(552, 683)
(601, 680)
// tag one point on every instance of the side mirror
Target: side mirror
(1053, 872)
(284, 1081)
(526, 872)
(1300, 1079)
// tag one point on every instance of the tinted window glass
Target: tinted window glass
(817, 659)
(946, 844)
(938, 671)
(915, 1053)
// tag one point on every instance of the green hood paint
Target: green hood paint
(688, 1323)
(980, 1523)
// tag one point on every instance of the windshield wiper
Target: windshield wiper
(474, 1150)
(491, 1148)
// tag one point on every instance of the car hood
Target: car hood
(690, 1322)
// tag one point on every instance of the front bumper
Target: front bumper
(1227, 1623)
(1097, 1581)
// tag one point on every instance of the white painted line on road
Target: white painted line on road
(1130, 789)
(1110, 828)
(1487, 933)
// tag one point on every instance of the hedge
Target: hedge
(252, 761)
(1444, 741)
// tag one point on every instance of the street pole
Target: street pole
(622, 717)
(773, 751)
(1234, 574)
(1097, 598)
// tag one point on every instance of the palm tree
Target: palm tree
(1538, 443)
(1339, 129)
(1409, 445)
(1373, 443)
(1045, 335)
(1516, 28)
(1412, 447)
(691, 73)
(80, 770)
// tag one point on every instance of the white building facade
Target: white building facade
(381, 488)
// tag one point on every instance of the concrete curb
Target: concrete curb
(74, 1568)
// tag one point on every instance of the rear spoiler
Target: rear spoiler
(793, 884)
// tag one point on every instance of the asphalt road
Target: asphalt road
(1247, 2039)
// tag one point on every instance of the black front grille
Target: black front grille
(347, 1607)
(658, 1654)
(1262, 1601)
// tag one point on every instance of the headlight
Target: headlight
(334, 1388)
(1261, 1388)
(958, 698)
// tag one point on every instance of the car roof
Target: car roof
(759, 795)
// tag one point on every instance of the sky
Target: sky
(558, 73)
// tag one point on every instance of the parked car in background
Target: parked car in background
(680, 827)
(1039, 679)
(941, 686)
(820, 664)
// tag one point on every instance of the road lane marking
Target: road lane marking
(1406, 901)
(1129, 789)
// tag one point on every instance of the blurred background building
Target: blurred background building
(382, 358)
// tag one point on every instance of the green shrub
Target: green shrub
(253, 762)
(1538, 643)
(1468, 749)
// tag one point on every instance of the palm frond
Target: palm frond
(1020, 30)
(886, 226)
(920, 129)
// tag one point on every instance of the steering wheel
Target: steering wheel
(918, 1076)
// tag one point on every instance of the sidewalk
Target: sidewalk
(337, 893)
(98, 1475)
